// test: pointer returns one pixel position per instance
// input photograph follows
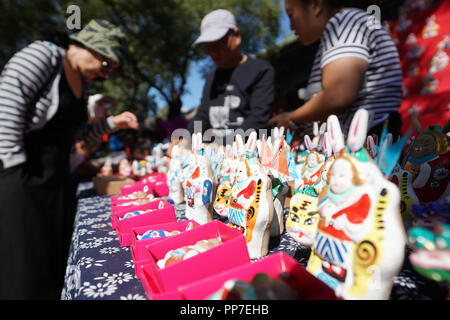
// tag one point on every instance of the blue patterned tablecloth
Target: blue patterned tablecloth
(98, 268)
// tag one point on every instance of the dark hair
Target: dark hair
(60, 38)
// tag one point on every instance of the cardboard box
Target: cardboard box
(110, 185)
(231, 253)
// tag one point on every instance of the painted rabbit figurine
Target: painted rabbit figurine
(303, 216)
(359, 245)
(175, 176)
(199, 185)
(274, 163)
(249, 203)
(429, 162)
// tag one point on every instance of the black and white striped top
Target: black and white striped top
(29, 98)
(354, 33)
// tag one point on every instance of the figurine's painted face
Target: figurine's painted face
(303, 219)
(222, 200)
(241, 171)
(423, 146)
(312, 160)
(341, 176)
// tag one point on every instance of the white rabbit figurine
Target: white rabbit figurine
(359, 245)
(175, 176)
(249, 205)
(199, 186)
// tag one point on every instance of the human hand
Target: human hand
(126, 120)
(283, 120)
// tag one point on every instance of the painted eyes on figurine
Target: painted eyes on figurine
(310, 221)
(294, 218)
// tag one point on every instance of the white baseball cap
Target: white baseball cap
(215, 25)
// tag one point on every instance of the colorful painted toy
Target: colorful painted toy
(125, 168)
(359, 245)
(248, 204)
(431, 255)
(135, 214)
(429, 162)
(199, 185)
(186, 252)
(175, 176)
(107, 169)
(303, 218)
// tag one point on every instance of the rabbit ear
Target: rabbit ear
(275, 133)
(199, 141)
(358, 130)
(327, 149)
(269, 143)
(280, 132)
(308, 142)
(323, 128)
(251, 142)
(414, 113)
(315, 128)
(334, 130)
(370, 143)
(240, 148)
(193, 142)
(258, 146)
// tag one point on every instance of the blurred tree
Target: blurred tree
(159, 38)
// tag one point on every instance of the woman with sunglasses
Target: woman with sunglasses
(356, 66)
(43, 105)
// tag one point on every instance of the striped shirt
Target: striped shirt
(29, 98)
(354, 33)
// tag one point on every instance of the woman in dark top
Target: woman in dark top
(42, 107)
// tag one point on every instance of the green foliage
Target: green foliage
(159, 38)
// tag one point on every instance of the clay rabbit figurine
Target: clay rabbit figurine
(199, 185)
(359, 245)
(249, 204)
(175, 176)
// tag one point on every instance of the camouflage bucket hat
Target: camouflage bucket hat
(102, 37)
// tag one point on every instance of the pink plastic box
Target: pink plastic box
(120, 211)
(115, 200)
(160, 188)
(138, 247)
(161, 215)
(307, 286)
(137, 186)
(154, 177)
(231, 253)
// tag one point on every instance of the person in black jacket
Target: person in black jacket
(239, 93)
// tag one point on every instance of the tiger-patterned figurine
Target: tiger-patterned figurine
(303, 218)
(249, 203)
